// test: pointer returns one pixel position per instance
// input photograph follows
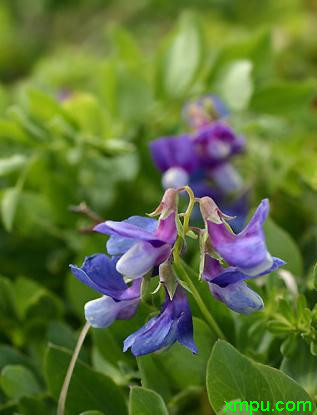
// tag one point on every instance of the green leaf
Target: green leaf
(281, 244)
(88, 389)
(302, 368)
(236, 86)
(232, 376)
(18, 381)
(146, 402)
(10, 198)
(280, 98)
(11, 164)
(182, 58)
(33, 300)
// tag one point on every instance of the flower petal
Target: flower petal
(175, 177)
(238, 297)
(178, 151)
(141, 258)
(127, 230)
(99, 272)
(247, 250)
(231, 275)
(118, 245)
(102, 312)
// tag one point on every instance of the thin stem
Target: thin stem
(189, 208)
(71, 367)
(203, 308)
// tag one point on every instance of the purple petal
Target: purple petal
(118, 245)
(167, 230)
(127, 230)
(141, 258)
(99, 272)
(231, 275)
(216, 143)
(238, 297)
(247, 250)
(227, 178)
(178, 151)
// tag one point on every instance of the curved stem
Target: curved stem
(189, 208)
(203, 308)
(71, 367)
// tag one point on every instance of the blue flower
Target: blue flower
(143, 243)
(174, 323)
(227, 285)
(119, 300)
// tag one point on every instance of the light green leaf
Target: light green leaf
(11, 164)
(146, 402)
(10, 198)
(281, 98)
(236, 85)
(232, 376)
(18, 381)
(182, 57)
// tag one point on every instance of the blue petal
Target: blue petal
(231, 275)
(174, 323)
(238, 297)
(99, 272)
(118, 245)
(104, 311)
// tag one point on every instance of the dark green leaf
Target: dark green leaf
(232, 376)
(88, 389)
(18, 381)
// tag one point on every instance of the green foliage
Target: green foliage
(80, 100)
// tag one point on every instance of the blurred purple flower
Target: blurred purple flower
(204, 110)
(174, 323)
(118, 302)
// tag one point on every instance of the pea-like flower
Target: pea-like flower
(173, 324)
(227, 285)
(246, 250)
(119, 301)
(143, 243)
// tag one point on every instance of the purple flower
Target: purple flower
(246, 250)
(142, 242)
(216, 143)
(176, 158)
(227, 285)
(203, 111)
(118, 302)
(174, 323)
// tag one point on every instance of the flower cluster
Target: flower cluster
(202, 159)
(138, 246)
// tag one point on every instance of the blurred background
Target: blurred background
(85, 85)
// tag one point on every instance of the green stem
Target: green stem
(202, 306)
(71, 367)
(189, 208)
